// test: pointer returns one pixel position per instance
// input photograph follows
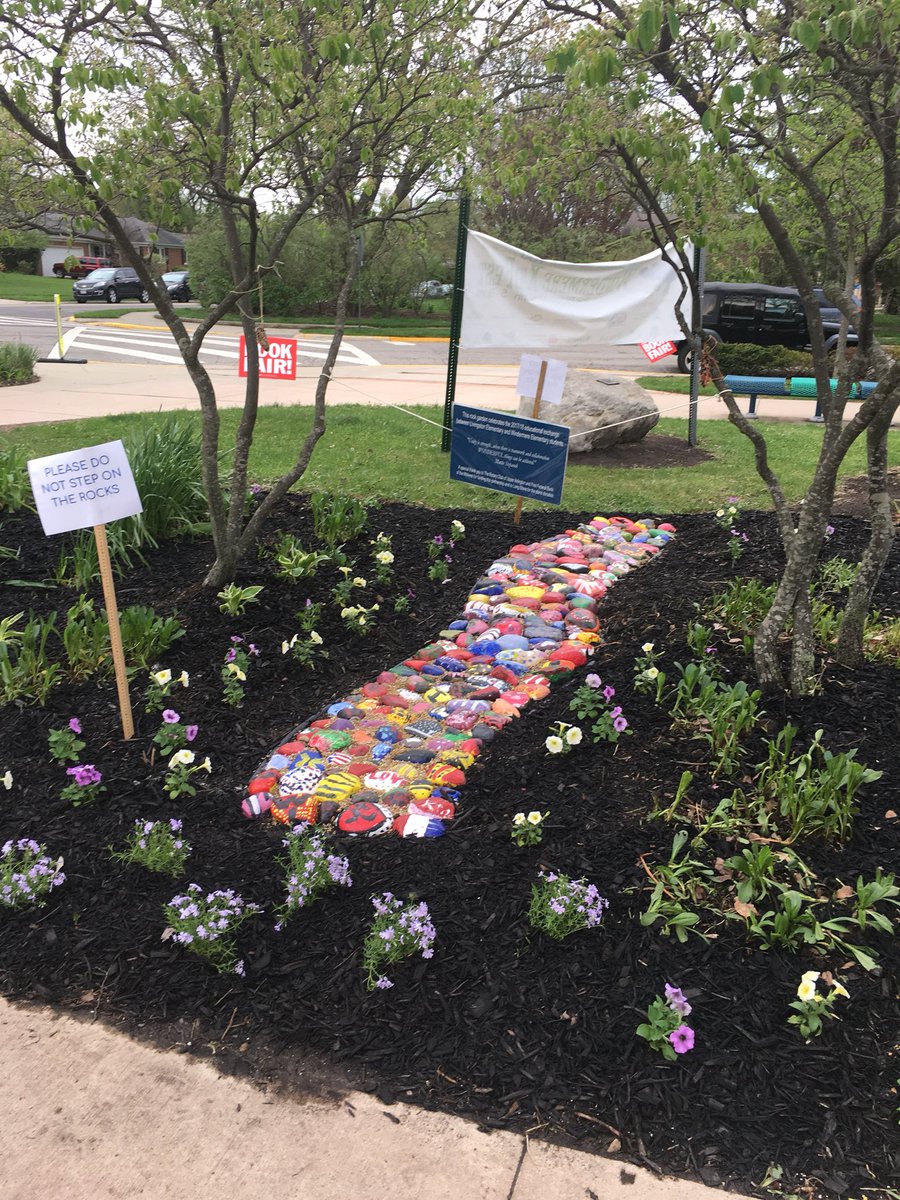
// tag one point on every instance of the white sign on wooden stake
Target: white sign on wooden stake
(554, 378)
(83, 488)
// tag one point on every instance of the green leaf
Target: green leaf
(807, 34)
(648, 28)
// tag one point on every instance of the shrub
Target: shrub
(741, 358)
(17, 362)
(15, 491)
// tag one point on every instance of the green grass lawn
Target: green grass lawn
(381, 454)
(33, 287)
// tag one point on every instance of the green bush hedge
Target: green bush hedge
(740, 358)
(17, 362)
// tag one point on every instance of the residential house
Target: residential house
(167, 248)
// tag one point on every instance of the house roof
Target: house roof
(139, 233)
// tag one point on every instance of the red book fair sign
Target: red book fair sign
(278, 362)
(657, 350)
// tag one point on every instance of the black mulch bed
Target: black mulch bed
(502, 1025)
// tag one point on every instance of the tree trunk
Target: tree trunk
(881, 536)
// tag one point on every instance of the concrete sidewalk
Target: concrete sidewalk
(67, 391)
(88, 1114)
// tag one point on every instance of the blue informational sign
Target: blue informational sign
(508, 453)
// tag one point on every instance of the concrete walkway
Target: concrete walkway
(88, 1114)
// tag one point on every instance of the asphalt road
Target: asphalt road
(34, 322)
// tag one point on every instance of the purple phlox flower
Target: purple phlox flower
(608, 692)
(438, 540)
(236, 639)
(447, 558)
(383, 982)
(682, 1039)
(85, 774)
(239, 967)
(710, 650)
(174, 824)
(191, 732)
(592, 680)
(255, 489)
(620, 724)
(251, 649)
(829, 530)
(386, 934)
(170, 716)
(75, 725)
(428, 952)
(676, 1000)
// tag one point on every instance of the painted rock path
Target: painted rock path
(392, 756)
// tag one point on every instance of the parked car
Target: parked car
(178, 285)
(758, 314)
(111, 284)
(78, 268)
(831, 317)
(431, 289)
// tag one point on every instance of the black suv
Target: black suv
(111, 284)
(756, 313)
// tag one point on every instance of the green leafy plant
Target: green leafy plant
(146, 636)
(528, 829)
(398, 931)
(881, 640)
(647, 675)
(561, 906)
(208, 925)
(665, 1030)
(728, 514)
(86, 785)
(593, 702)
(336, 519)
(383, 558)
(812, 1005)
(305, 651)
(742, 606)
(15, 489)
(160, 686)
(837, 575)
(676, 885)
(563, 738)
(85, 639)
(183, 766)
(65, 744)
(26, 672)
(309, 871)
(156, 845)
(27, 874)
(718, 713)
(235, 599)
(234, 671)
(293, 562)
(880, 890)
(342, 592)
(172, 735)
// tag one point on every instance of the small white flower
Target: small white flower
(384, 557)
(181, 758)
(362, 619)
(647, 647)
(206, 765)
(652, 672)
(720, 512)
(316, 638)
(573, 735)
(838, 989)
(288, 646)
(807, 988)
(358, 581)
(347, 613)
(554, 744)
(535, 818)
(162, 677)
(236, 672)
(457, 527)
(7, 780)
(184, 679)
(519, 819)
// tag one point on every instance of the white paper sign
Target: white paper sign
(82, 488)
(529, 374)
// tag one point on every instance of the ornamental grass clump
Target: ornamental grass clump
(156, 845)
(208, 925)
(309, 872)
(398, 931)
(27, 874)
(665, 1030)
(561, 906)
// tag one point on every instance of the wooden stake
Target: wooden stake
(534, 412)
(115, 634)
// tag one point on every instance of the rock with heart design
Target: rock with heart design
(383, 781)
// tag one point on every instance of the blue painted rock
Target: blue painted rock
(365, 820)
(415, 825)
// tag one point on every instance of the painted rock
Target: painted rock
(292, 812)
(365, 820)
(337, 787)
(264, 782)
(415, 825)
(434, 806)
(299, 779)
(415, 755)
(383, 781)
(443, 774)
(256, 805)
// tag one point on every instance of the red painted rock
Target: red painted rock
(365, 819)
(446, 776)
(434, 806)
(296, 812)
(256, 805)
(262, 783)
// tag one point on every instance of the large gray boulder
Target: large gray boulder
(613, 409)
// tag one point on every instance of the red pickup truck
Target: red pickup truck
(77, 268)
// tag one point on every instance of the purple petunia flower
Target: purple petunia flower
(592, 680)
(170, 716)
(677, 1001)
(608, 693)
(75, 725)
(191, 732)
(682, 1039)
(620, 724)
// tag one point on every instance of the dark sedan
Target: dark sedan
(177, 284)
(111, 284)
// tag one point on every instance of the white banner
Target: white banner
(513, 298)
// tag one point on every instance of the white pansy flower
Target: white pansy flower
(236, 671)
(206, 765)
(358, 581)
(652, 672)
(184, 679)
(838, 989)
(807, 988)
(384, 557)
